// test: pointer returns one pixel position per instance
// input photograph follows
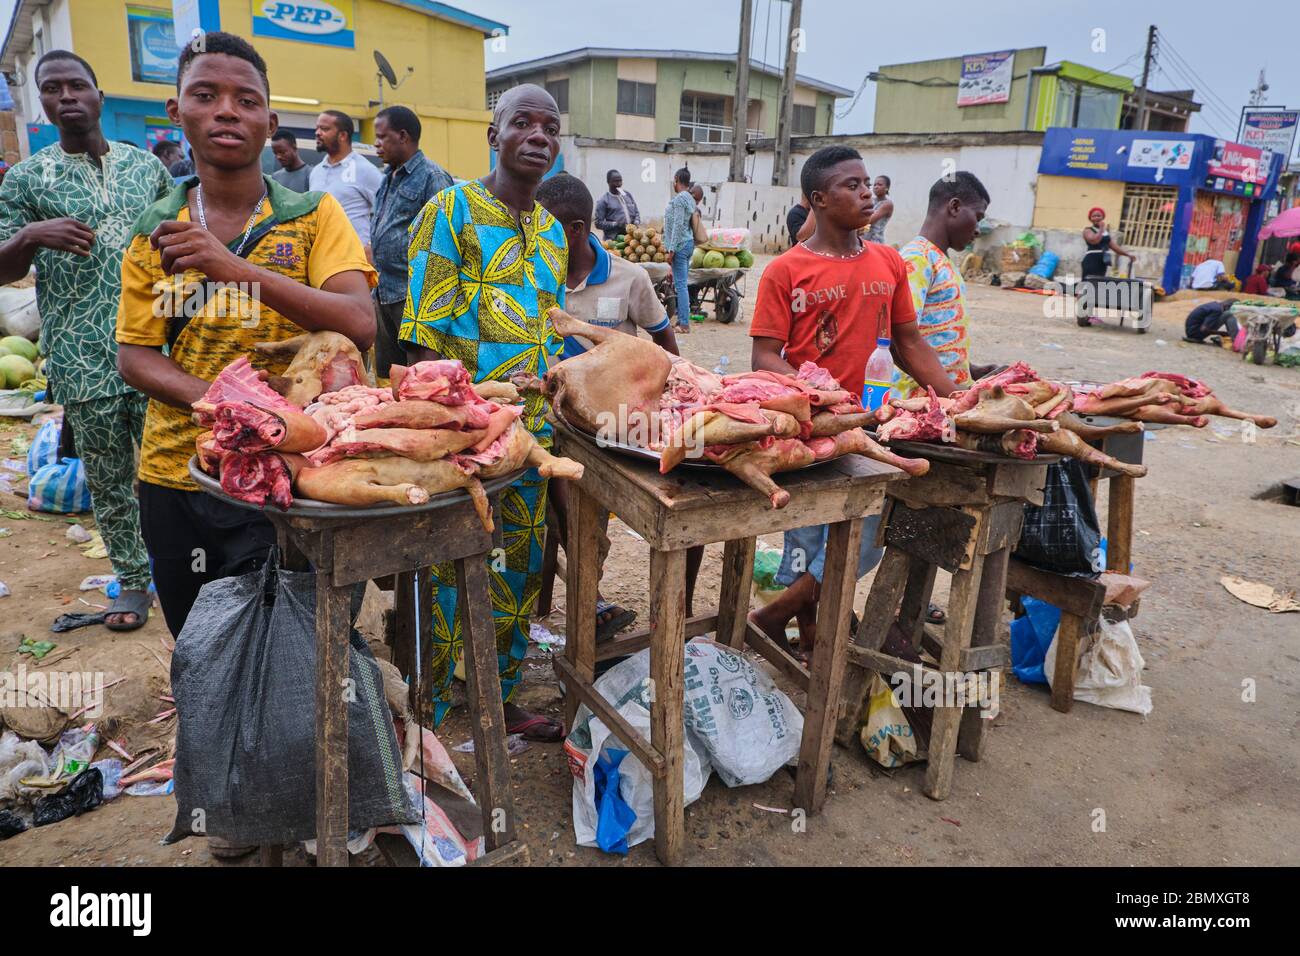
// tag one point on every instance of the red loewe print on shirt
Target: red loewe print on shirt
(831, 310)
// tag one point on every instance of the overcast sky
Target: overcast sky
(1205, 44)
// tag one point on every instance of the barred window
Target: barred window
(1147, 219)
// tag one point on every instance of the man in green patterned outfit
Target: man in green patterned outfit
(69, 209)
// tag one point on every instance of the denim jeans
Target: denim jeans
(805, 550)
(681, 263)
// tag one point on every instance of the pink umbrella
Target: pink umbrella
(1286, 224)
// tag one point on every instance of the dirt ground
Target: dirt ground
(1206, 779)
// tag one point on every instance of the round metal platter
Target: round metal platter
(645, 454)
(306, 508)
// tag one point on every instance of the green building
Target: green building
(660, 95)
(1018, 92)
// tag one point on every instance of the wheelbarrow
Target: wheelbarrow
(1266, 325)
(717, 286)
(1124, 297)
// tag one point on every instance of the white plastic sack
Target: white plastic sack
(18, 314)
(1110, 670)
(748, 727)
(627, 687)
(20, 759)
(727, 239)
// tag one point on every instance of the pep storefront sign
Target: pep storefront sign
(328, 22)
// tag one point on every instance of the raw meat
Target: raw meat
(1020, 372)
(755, 465)
(1210, 405)
(519, 449)
(445, 381)
(830, 423)
(1091, 404)
(1066, 442)
(318, 362)
(1166, 415)
(1020, 443)
(209, 455)
(931, 424)
(417, 413)
(237, 382)
(394, 480)
(261, 478)
(243, 426)
(616, 385)
(500, 418)
(418, 444)
(709, 427)
(505, 393)
(1074, 423)
(996, 411)
(857, 442)
(1190, 388)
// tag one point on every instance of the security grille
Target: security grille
(1148, 216)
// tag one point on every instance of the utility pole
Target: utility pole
(740, 109)
(781, 159)
(1146, 75)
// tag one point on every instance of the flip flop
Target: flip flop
(607, 628)
(527, 728)
(129, 602)
(935, 615)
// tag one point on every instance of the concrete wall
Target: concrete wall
(905, 107)
(1064, 201)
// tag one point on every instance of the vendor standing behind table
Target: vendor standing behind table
(410, 181)
(343, 174)
(616, 210)
(294, 172)
(956, 206)
(487, 263)
(883, 210)
(1097, 237)
(826, 301)
(230, 224)
(679, 243)
(69, 210)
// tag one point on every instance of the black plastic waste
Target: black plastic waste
(1063, 534)
(84, 793)
(244, 680)
(70, 622)
(10, 824)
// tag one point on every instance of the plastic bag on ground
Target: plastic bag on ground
(625, 686)
(886, 734)
(746, 724)
(84, 793)
(60, 488)
(44, 449)
(1110, 670)
(21, 759)
(1031, 636)
(244, 679)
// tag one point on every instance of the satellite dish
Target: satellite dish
(386, 69)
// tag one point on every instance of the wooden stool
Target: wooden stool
(353, 547)
(963, 516)
(695, 507)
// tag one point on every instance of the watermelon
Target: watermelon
(17, 345)
(713, 260)
(16, 370)
(730, 262)
(746, 258)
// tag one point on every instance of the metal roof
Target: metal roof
(613, 53)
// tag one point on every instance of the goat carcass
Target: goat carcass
(318, 362)
(243, 426)
(616, 384)
(1018, 443)
(929, 423)
(755, 463)
(1068, 443)
(857, 442)
(996, 412)
(710, 427)
(1210, 405)
(394, 480)
(516, 449)
(418, 444)
(1072, 422)
(418, 413)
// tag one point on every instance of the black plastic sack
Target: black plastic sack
(244, 679)
(85, 792)
(1063, 534)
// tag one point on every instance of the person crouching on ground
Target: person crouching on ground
(827, 300)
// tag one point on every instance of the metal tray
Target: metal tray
(645, 454)
(935, 451)
(306, 508)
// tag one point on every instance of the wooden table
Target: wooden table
(963, 516)
(349, 546)
(691, 507)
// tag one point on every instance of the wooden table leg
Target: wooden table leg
(877, 616)
(581, 585)
(667, 730)
(333, 624)
(733, 597)
(1119, 524)
(550, 559)
(843, 542)
(987, 630)
(1067, 654)
(916, 600)
(483, 692)
(962, 602)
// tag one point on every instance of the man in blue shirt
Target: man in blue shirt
(410, 181)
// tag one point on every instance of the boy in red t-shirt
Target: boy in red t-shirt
(826, 301)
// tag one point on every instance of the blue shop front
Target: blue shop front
(1191, 195)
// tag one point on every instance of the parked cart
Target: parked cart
(721, 287)
(1124, 297)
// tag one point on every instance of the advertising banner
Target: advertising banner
(1273, 130)
(328, 22)
(985, 78)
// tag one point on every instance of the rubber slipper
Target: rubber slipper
(129, 602)
(614, 623)
(935, 615)
(527, 728)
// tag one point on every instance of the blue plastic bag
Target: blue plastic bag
(45, 446)
(1046, 265)
(615, 817)
(1031, 636)
(60, 487)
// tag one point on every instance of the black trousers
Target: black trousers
(192, 539)
(388, 348)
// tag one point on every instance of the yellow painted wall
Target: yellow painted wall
(447, 89)
(1062, 202)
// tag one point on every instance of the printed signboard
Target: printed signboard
(985, 78)
(1161, 153)
(327, 22)
(1235, 161)
(1273, 130)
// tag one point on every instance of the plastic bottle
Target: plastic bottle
(721, 367)
(879, 376)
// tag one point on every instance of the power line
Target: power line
(1199, 82)
(1210, 106)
